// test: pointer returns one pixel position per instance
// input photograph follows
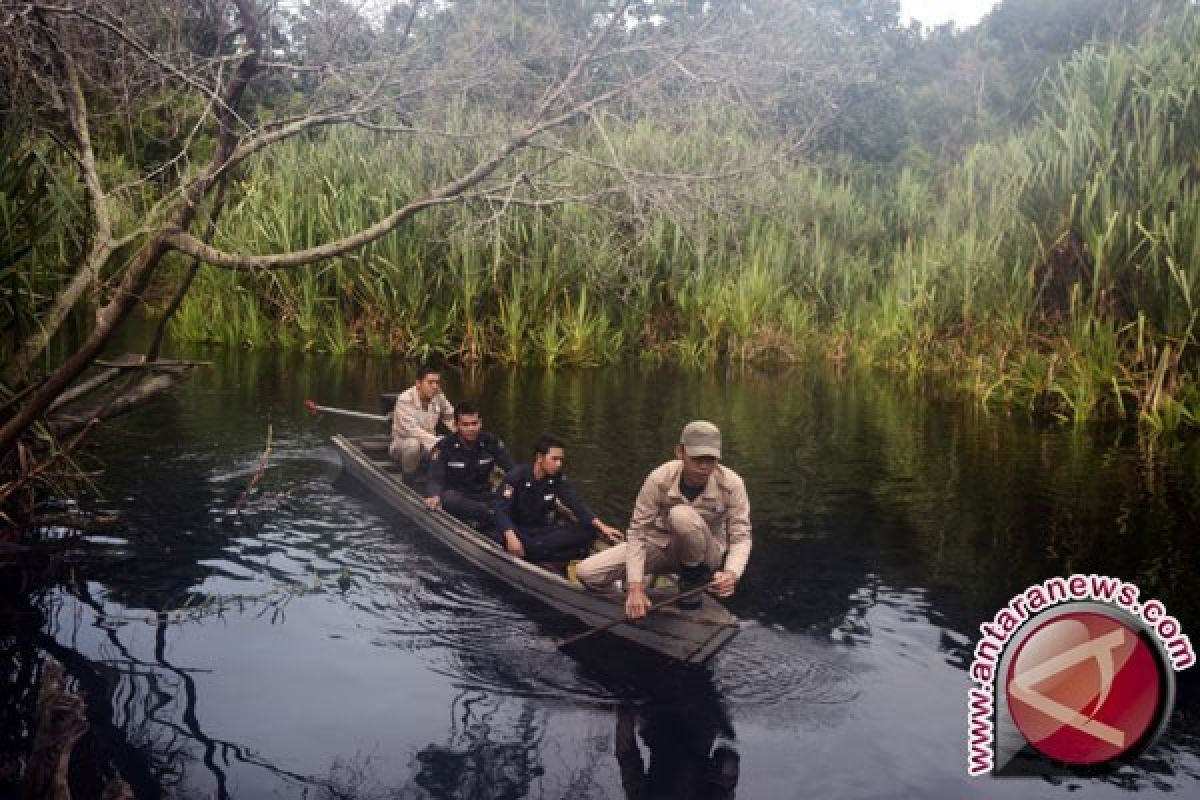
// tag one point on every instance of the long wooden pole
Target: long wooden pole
(315, 409)
(608, 626)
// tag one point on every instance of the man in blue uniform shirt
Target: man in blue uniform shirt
(461, 467)
(527, 520)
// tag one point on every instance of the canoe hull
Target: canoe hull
(691, 636)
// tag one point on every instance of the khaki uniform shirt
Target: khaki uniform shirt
(723, 505)
(411, 421)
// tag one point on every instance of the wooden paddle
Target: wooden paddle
(315, 409)
(608, 626)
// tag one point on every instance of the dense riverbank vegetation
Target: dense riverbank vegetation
(1016, 206)
(1051, 266)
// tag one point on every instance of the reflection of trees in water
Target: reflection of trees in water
(108, 748)
(142, 714)
(27, 607)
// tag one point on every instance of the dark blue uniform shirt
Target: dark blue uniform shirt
(465, 469)
(526, 502)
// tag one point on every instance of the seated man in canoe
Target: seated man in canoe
(692, 517)
(527, 519)
(418, 411)
(460, 469)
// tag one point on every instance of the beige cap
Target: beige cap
(701, 438)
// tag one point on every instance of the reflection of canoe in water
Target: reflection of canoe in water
(690, 636)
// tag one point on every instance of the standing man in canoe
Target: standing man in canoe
(527, 519)
(460, 469)
(418, 410)
(692, 516)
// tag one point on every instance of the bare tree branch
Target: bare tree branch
(142, 266)
(102, 244)
(145, 51)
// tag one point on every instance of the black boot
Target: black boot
(691, 578)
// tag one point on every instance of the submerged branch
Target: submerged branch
(84, 388)
(143, 392)
(258, 473)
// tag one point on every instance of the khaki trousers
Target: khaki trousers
(408, 453)
(691, 542)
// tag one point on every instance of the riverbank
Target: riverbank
(1052, 270)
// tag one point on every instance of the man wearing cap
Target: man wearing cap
(692, 516)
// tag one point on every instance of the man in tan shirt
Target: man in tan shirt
(415, 417)
(692, 516)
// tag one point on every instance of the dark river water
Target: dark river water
(318, 646)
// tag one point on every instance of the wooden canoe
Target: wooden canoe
(691, 636)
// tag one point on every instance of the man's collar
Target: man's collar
(710, 489)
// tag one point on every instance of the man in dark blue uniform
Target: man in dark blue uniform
(527, 521)
(461, 466)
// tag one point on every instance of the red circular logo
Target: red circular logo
(1084, 688)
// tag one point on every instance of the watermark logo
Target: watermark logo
(1076, 669)
(1084, 688)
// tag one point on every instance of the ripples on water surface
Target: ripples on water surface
(318, 646)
